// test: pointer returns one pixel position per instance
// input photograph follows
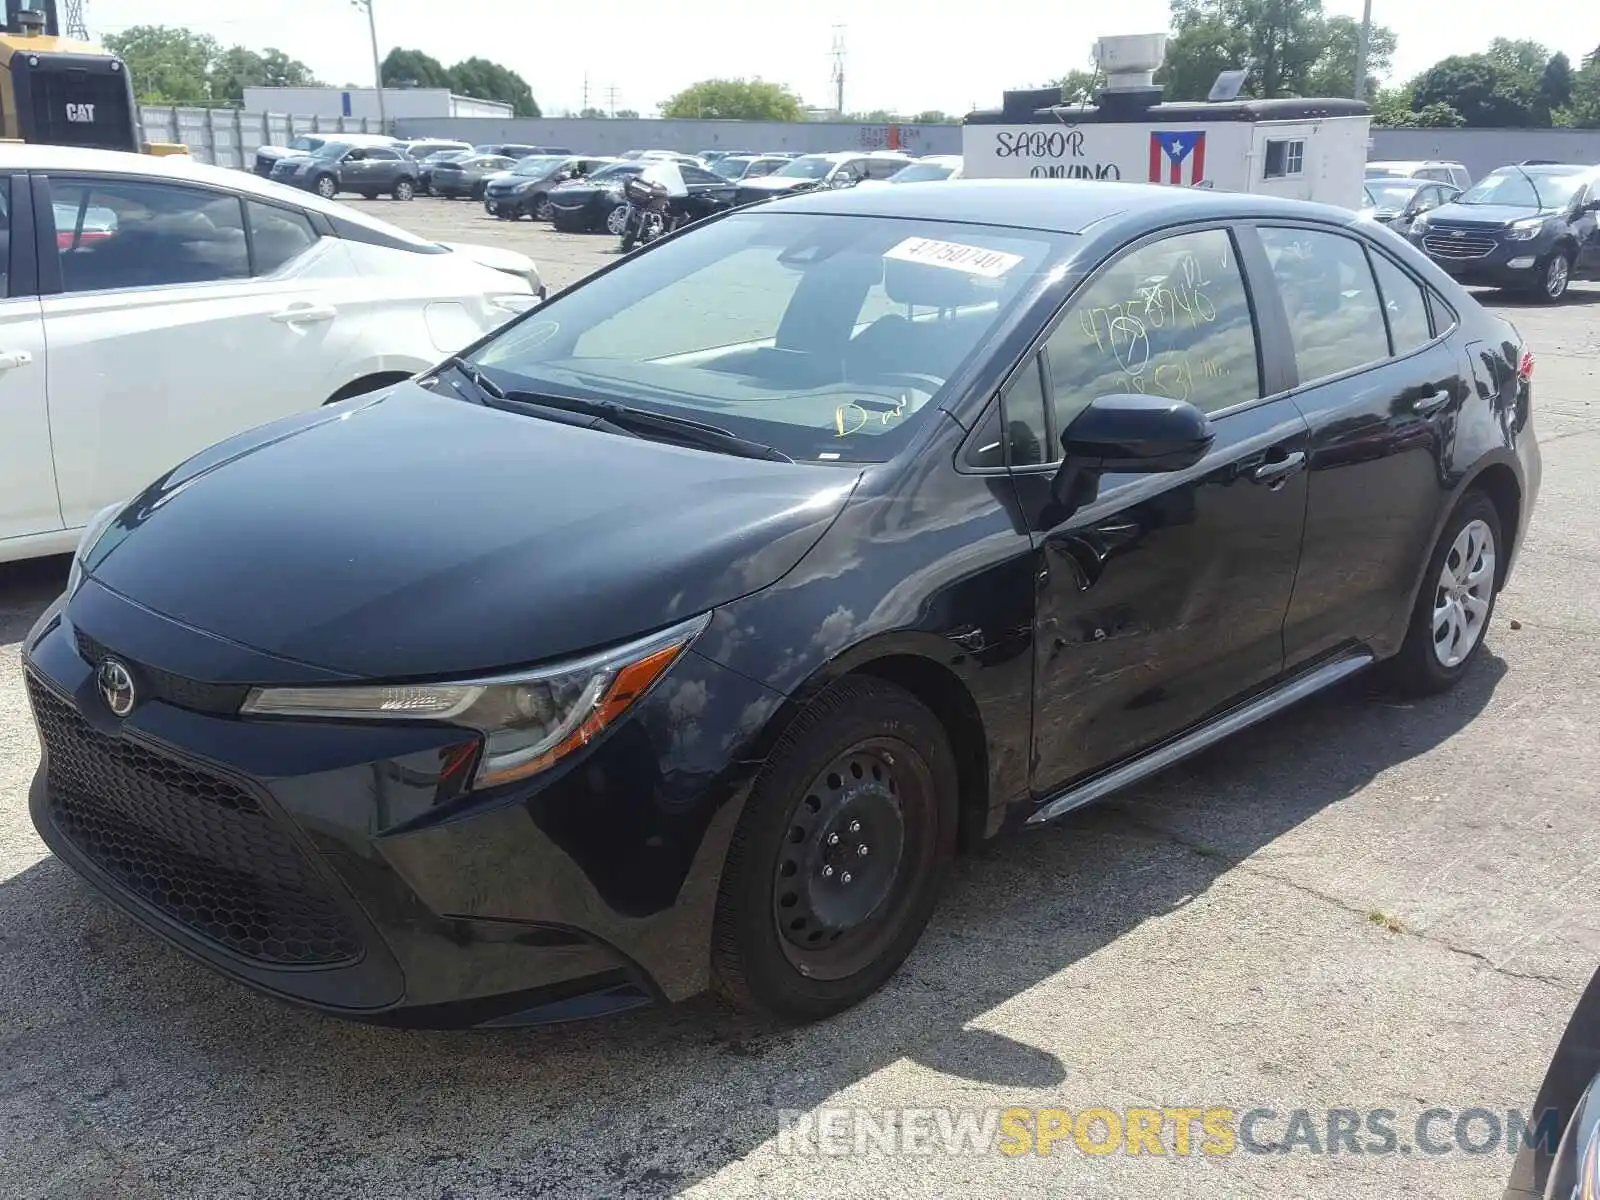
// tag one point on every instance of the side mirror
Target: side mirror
(1143, 434)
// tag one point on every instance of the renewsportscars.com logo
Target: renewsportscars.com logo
(1177, 1132)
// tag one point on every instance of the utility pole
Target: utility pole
(76, 27)
(1364, 51)
(611, 100)
(839, 69)
(584, 107)
(377, 63)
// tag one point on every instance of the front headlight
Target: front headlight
(529, 721)
(1526, 231)
(97, 525)
(1420, 225)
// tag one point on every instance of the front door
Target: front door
(28, 502)
(162, 342)
(1587, 228)
(1162, 601)
(1381, 389)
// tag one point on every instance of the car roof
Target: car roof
(1053, 205)
(179, 169)
(1548, 169)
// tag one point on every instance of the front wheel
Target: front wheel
(838, 857)
(405, 190)
(617, 220)
(1455, 602)
(542, 208)
(1555, 275)
(326, 186)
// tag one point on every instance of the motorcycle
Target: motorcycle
(651, 211)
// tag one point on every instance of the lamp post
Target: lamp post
(1363, 51)
(377, 64)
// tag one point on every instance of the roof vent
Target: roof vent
(1131, 62)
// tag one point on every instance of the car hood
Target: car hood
(414, 535)
(510, 262)
(1485, 215)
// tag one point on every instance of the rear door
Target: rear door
(162, 342)
(1381, 388)
(28, 502)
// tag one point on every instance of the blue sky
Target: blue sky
(902, 54)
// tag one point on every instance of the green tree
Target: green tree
(413, 68)
(1292, 47)
(1487, 93)
(735, 99)
(627, 114)
(490, 81)
(1079, 87)
(167, 65)
(1520, 56)
(1555, 85)
(1437, 116)
(934, 116)
(592, 114)
(237, 68)
(875, 116)
(1583, 110)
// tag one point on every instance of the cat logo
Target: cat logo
(80, 114)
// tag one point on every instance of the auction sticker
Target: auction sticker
(973, 260)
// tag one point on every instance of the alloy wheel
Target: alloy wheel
(543, 210)
(1463, 594)
(856, 840)
(327, 188)
(617, 220)
(1556, 277)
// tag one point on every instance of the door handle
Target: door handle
(11, 359)
(298, 314)
(1276, 472)
(1432, 403)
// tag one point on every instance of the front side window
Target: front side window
(1171, 318)
(117, 234)
(829, 338)
(1335, 316)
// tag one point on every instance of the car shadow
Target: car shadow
(696, 1087)
(1577, 296)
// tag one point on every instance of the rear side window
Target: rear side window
(1171, 318)
(115, 233)
(1335, 316)
(1406, 305)
(277, 234)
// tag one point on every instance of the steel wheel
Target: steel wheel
(617, 220)
(1464, 593)
(1557, 275)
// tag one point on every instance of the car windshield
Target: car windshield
(922, 173)
(306, 144)
(538, 164)
(1518, 189)
(1391, 193)
(731, 168)
(439, 156)
(330, 150)
(830, 338)
(806, 168)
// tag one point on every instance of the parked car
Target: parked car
(467, 177)
(1533, 229)
(750, 166)
(594, 203)
(929, 169)
(267, 156)
(1397, 202)
(426, 166)
(186, 303)
(516, 150)
(336, 167)
(713, 156)
(421, 148)
(1453, 173)
(811, 171)
(681, 633)
(524, 190)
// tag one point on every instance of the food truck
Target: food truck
(1307, 149)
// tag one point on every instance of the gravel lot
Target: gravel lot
(1361, 903)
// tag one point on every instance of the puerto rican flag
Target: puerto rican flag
(1178, 158)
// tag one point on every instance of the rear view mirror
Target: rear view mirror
(1143, 434)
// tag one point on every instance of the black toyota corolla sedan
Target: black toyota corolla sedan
(680, 633)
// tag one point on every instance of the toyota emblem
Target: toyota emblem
(116, 687)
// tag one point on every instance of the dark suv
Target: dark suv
(1532, 228)
(336, 167)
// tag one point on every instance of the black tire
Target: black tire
(1417, 670)
(325, 186)
(628, 239)
(405, 189)
(540, 209)
(1555, 277)
(866, 761)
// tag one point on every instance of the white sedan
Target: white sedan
(152, 306)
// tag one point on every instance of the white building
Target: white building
(363, 102)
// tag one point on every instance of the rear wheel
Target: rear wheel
(838, 857)
(1455, 603)
(617, 219)
(404, 189)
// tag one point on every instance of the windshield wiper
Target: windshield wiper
(486, 388)
(614, 417)
(1537, 198)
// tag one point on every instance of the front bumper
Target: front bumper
(341, 865)
(1485, 258)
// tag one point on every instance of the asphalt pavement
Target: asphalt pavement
(1363, 904)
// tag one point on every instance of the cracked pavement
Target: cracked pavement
(1362, 903)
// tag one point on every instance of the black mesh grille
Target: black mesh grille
(218, 698)
(53, 86)
(192, 844)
